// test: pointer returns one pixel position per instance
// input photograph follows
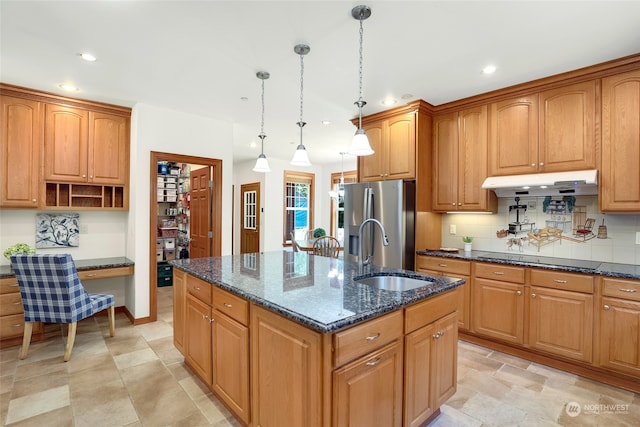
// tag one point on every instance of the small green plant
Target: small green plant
(319, 232)
(18, 248)
(467, 239)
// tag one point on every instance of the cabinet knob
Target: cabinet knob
(437, 335)
(541, 163)
(84, 176)
(459, 204)
(533, 165)
(533, 295)
(606, 307)
(518, 292)
(33, 200)
(453, 204)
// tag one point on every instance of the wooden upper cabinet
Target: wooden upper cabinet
(460, 162)
(620, 173)
(567, 138)
(108, 152)
(20, 148)
(65, 143)
(394, 141)
(513, 136)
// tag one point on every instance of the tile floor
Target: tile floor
(138, 378)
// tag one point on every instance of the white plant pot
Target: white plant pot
(467, 247)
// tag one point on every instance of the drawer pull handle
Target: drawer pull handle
(518, 292)
(196, 288)
(17, 325)
(498, 273)
(559, 281)
(373, 337)
(14, 284)
(606, 307)
(226, 304)
(373, 362)
(442, 265)
(17, 303)
(92, 275)
(533, 295)
(631, 291)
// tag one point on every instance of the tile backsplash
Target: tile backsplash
(610, 241)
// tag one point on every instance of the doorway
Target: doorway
(250, 218)
(209, 211)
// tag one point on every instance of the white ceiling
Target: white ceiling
(201, 57)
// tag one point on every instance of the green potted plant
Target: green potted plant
(18, 248)
(319, 232)
(467, 243)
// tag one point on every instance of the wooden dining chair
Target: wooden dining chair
(51, 292)
(326, 246)
(294, 244)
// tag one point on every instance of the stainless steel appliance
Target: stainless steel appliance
(393, 204)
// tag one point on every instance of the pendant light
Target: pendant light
(261, 164)
(360, 143)
(340, 193)
(300, 157)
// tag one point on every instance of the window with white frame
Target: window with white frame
(298, 204)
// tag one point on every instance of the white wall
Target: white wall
(272, 197)
(156, 129)
(618, 247)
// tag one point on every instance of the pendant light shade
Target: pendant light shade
(262, 165)
(360, 143)
(300, 157)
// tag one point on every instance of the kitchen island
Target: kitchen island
(292, 339)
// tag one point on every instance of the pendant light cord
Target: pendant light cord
(360, 102)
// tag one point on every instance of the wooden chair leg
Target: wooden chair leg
(71, 338)
(26, 339)
(111, 313)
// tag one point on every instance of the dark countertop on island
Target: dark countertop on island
(318, 292)
(84, 264)
(609, 269)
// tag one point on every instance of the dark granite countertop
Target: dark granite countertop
(628, 271)
(318, 292)
(84, 264)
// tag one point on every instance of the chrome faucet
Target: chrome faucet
(385, 241)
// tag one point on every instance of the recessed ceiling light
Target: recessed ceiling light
(489, 69)
(388, 101)
(68, 87)
(244, 98)
(88, 57)
(407, 96)
(326, 122)
(253, 144)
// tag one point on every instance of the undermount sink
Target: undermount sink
(394, 283)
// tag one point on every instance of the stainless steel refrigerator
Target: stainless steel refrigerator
(393, 204)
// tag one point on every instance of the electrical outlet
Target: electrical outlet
(637, 237)
(452, 229)
(84, 228)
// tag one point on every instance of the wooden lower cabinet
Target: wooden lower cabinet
(286, 385)
(179, 308)
(368, 391)
(230, 376)
(434, 346)
(198, 337)
(561, 322)
(498, 310)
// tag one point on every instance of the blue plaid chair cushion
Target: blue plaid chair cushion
(51, 289)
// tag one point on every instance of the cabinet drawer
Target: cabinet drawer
(561, 280)
(625, 289)
(103, 273)
(362, 339)
(10, 304)
(500, 272)
(231, 305)
(9, 285)
(446, 265)
(165, 269)
(425, 312)
(11, 326)
(199, 289)
(165, 281)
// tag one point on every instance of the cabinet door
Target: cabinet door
(620, 335)
(372, 168)
(401, 147)
(472, 161)
(108, 151)
(418, 360)
(198, 338)
(368, 391)
(286, 386)
(567, 128)
(445, 162)
(498, 310)
(620, 173)
(231, 364)
(65, 144)
(561, 322)
(444, 365)
(20, 148)
(179, 308)
(513, 136)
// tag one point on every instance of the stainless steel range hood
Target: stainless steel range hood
(544, 184)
